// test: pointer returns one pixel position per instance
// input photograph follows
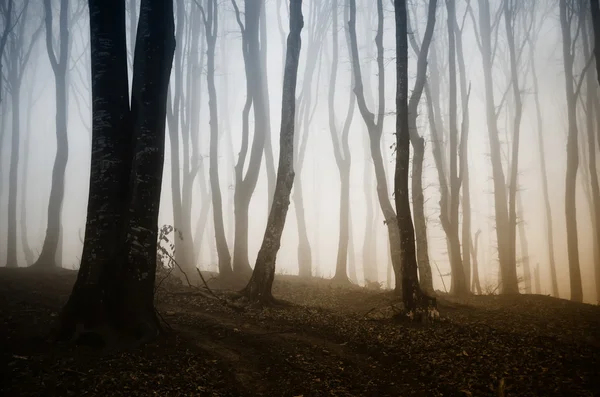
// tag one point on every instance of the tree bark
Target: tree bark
(418, 144)
(260, 284)
(211, 25)
(375, 130)
(572, 158)
(595, 11)
(544, 173)
(113, 297)
(412, 296)
(476, 286)
(48, 257)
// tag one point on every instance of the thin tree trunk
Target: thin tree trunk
(211, 25)
(418, 144)
(11, 246)
(544, 173)
(572, 158)
(261, 282)
(375, 130)
(458, 286)
(476, 286)
(595, 11)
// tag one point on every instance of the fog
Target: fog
(316, 172)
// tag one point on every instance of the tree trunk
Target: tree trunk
(418, 144)
(508, 273)
(11, 246)
(412, 295)
(375, 130)
(476, 286)
(211, 23)
(113, 297)
(544, 173)
(524, 247)
(458, 286)
(261, 282)
(48, 257)
(511, 271)
(592, 106)
(595, 11)
(572, 158)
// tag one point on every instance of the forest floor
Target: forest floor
(331, 341)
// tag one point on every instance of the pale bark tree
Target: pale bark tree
(487, 41)
(6, 9)
(418, 144)
(210, 18)
(451, 224)
(374, 126)
(475, 285)
(260, 284)
(592, 122)
(567, 15)
(543, 169)
(523, 245)
(255, 98)
(16, 58)
(318, 23)
(341, 151)
(113, 297)
(59, 61)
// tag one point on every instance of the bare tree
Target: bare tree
(255, 98)
(418, 144)
(6, 8)
(59, 63)
(595, 11)
(542, 156)
(341, 152)
(210, 19)
(567, 15)
(260, 284)
(19, 48)
(476, 285)
(113, 296)
(375, 128)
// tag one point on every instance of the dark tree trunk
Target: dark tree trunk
(11, 248)
(412, 295)
(572, 157)
(595, 8)
(261, 282)
(113, 294)
(48, 257)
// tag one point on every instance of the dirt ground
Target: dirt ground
(331, 342)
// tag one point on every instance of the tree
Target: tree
(418, 144)
(595, 11)
(508, 268)
(543, 168)
(412, 296)
(459, 285)
(6, 8)
(341, 152)
(475, 286)
(114, 292)
(48, 257)
(375, 130)
(210, 20)
(261, 282)
(17, 59)
(567, 14)
(255, 98)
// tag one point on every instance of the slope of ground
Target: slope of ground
(330, 342)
